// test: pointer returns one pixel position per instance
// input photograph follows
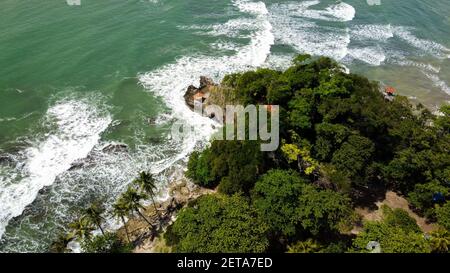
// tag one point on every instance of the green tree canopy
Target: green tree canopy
(396, 233)
(218, 224)
(276, 198)
(343, 136)
(354, 156)
(324, 210)
(422, 197)
(105, 243)
(399, 218)
(392, 239)
(233, 165)
(443, 215)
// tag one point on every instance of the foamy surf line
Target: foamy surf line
(298, 24)
(171, 81)
(78, 126)
(437, 82)
(341, 12)
(295, 26)
(42, 167)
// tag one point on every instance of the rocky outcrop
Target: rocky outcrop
(211, 94)
(189, 96)
(115, 148)
(205, 82)
(199, 94)
(181, 192)
(112, 148)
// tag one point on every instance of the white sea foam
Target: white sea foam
(225, 46)
(370, 55)
(76, 129)
(422, 66)
(429, 70)
(231, 28)
(255, 8)
(7, 119)
(340, 12)
(78, 132)
(384, 33)
(170, 81)
(306, 36)
(298, 24)
(424, 45)
(372, 32)
(163, 118)
(438, 82)
(279, 61)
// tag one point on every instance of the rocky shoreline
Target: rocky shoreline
(181, 191)
(199, 94)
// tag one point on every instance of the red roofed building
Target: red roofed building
(390, 90)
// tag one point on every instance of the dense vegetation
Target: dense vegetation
(398, 232)
(342, 142)
(219, 224)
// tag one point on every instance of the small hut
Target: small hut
(200, 96)
(269, 108)
(390, 91)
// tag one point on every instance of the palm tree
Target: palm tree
(60, 244)
(146, 183)
(94, 215)
(81, 228)
(440, 241)
(132, 199)
(308, 246)
(120, 210)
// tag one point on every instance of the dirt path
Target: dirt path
(394, 201)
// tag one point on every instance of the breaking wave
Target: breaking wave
(75, 128)
(170, 81)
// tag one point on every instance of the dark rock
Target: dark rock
(44, 190)
(83, 162)
(76, 165)
(115, 148)
(151, 121)
(6, 159)
(206, 82)
(155, 140)
(189, 95)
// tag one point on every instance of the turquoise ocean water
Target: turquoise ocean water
(75, 79)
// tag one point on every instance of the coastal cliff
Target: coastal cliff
(351, 162)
